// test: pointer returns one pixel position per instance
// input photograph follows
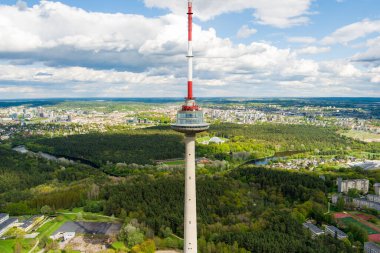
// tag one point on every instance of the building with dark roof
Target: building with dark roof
(28, 224)
(6, 225)
(315, 231)
(371, 247)
(335, 232)
(3, 217)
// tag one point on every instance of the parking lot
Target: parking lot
(91, 228)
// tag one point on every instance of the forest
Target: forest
(256, 210)
(242, 208)
(145, 146)
(130, 146)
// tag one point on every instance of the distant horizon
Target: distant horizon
(181, 98)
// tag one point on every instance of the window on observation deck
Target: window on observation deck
(190, 118)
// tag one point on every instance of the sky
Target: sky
(137, 48)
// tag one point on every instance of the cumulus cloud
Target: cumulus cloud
(352, 32)
(313, 50)
(100, 54)
(276, 13)
(372, 54)
(305, 40)
(245, 32)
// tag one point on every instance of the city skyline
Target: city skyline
(301, 48)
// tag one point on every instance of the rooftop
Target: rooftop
(7, 223)
(313, 228)
(372, 245)
(336, 230)
(30, 221)
(3, 215)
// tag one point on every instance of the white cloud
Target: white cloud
(313, 50)
(98, 54)
(278, 13)
(372, 54)
(305, 40)
(245, 32)
(352, 32)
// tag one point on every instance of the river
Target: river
(277, 156)
(24, 150)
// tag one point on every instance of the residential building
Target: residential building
(335, 232)
(3, 217)
(376, 187)
(371, 247)
(374, 198)
(364, 203)
(315, 231)
(358, 184)
(6, 225)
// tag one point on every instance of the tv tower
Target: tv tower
(190, 122)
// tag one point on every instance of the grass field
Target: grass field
(7, 246)
(119, 246)
(48, 228)
(361, 135)
(350, 220)
(177, 162)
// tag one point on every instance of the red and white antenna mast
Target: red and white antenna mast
(190, 104)
(190, 51)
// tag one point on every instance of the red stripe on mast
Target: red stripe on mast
(190, 90)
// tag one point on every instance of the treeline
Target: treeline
(251, 207)
(282, 137)
(294, 186)
(132, 146)
(20, 174)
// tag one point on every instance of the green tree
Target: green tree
(340, 204)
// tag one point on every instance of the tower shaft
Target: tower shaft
(190, 121)
(190, 223)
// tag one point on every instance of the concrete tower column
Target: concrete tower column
(190, 244)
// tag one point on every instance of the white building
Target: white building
(335, 232)
(358, 184)
(68, 236)
(364, 203)
(65, 235)
(376, 187)
(374, 198)
(3, 217)
(370, 247)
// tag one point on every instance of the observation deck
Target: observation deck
(190, 121)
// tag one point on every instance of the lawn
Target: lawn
(7, 246)
(176, 162)
(350, 220)
(48, 228)
(119, 246)
(361, 135)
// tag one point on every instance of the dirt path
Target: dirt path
(34, 247)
